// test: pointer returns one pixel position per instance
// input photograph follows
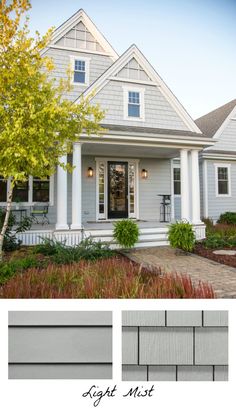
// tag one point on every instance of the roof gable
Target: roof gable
(213, 123)
(132, 66)
(79, 33)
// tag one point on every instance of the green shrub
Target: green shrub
(227, 218)
(10, 268)
(181, 236)
(126, 233)
(88, 249)
(216, 241)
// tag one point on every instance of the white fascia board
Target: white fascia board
(154, 141)
(223, 156)
(230, 117)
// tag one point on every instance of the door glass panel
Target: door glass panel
(131, 187)
(101, 188)
(118, 189)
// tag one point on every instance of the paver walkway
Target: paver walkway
(221, 277)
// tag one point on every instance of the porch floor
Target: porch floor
(104, 225)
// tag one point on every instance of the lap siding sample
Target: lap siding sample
(60, 345)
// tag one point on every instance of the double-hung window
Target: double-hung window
(177, 181)
(80, 68)
(79, 71)
(223, 180)
(21, 192)
(134, 104)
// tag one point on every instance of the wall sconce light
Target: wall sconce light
(144, 174)
(90, 172)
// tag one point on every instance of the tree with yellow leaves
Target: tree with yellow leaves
(37, 126)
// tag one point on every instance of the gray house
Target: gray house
(218, 162)
(133, 168)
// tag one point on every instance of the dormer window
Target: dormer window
(80, 68)
(134, 103)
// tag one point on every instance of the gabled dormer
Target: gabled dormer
(220, 125)
(78, 44)
(133, 94)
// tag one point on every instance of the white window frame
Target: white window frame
(222, 165)
(102, 217)
(133, 88)
(176, 166)
(87, 70)
(30, 193)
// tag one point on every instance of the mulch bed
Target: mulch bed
(208, 253)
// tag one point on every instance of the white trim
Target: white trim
(136, 192)
(218, 156)
(30, 194)
(205, 189)
(141, 91)
(222, 165)
(139, 82)
(133, 52)
(172, 189)
(80, 50)
(73, 58)
(225, 123)
(81, 16)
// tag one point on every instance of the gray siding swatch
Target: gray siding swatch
(195, 373)
(130, 345)
(190, 346)
(61, 371)
(167, 346)
(53, 318)
(211, 346)
(162, 373)
(215, 318)
(60, 345)
(134, 373)
(143, 318)
(184, 318)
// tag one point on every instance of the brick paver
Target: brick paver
(221, 277)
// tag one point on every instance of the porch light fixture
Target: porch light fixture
(90, 172)
(144, 174)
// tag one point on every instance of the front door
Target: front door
(117, 190)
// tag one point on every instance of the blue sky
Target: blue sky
(191, 43)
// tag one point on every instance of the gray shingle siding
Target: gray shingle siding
(158, 111)
(61, 59)
(185, 346)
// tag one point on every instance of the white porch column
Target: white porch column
(61, 223)
(195, 187)
(185, 214)
(77, 188)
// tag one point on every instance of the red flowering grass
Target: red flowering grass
(110, 278)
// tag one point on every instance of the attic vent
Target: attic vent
(80, 38)
(133, 70)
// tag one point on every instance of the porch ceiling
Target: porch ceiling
(105, 149)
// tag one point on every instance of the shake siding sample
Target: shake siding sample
(60, 345)
(175, 345)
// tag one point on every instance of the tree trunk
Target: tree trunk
(5, 224)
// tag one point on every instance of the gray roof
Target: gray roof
(144, 129)
(211, 122)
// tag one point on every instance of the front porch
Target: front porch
(152, 233)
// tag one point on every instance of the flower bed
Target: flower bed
(116, 277)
